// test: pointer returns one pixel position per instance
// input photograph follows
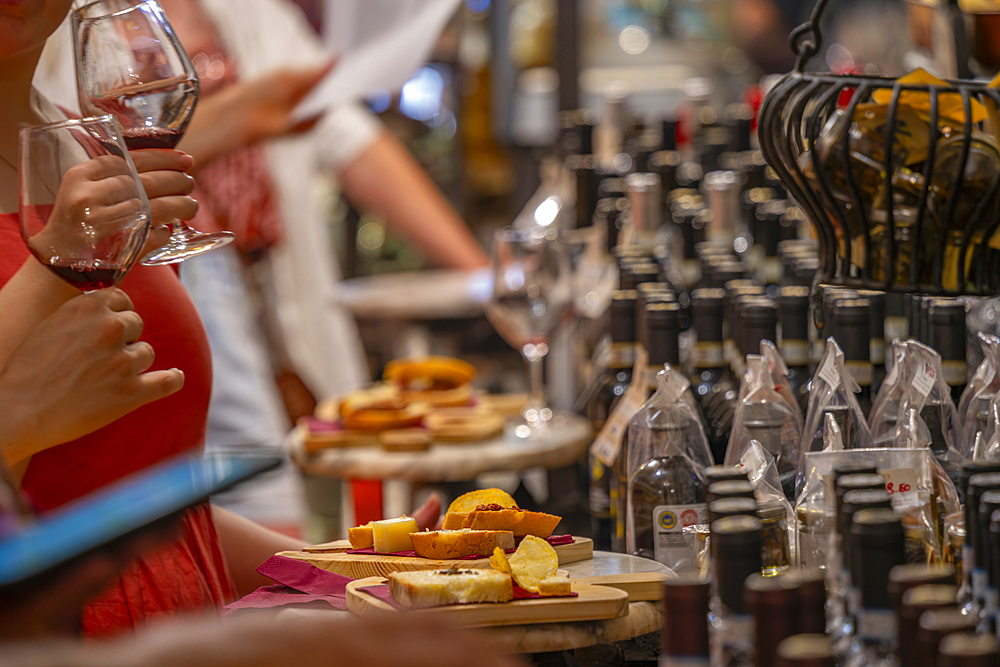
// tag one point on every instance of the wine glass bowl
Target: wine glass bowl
(83, 211)
(130, 63)
(532, 296)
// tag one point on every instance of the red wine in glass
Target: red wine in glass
(87, 275)
(135, 127)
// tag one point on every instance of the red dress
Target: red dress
(189, 574)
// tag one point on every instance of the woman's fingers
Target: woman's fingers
(166, 209)
(163, 183)
(154, 159)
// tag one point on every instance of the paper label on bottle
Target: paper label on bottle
(829, 371)
(901, 485)
(924, 379)
(795, 352)
(708, 355)
(608, 443)
(669, 521)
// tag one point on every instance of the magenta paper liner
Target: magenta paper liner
(296, 582)
(554, 540)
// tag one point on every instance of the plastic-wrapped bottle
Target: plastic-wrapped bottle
(667, 457)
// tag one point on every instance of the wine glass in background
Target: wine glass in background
(83, 210)
(130, 64)
(532, 296)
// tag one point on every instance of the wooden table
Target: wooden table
(448, 462)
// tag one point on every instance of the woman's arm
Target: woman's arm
(386, 179)
(246, 545)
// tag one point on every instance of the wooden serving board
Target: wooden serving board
(336, 559)
(592, 603)
(640, 586)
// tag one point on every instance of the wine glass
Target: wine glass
(129, 63)
(83, 210)
(532, 296)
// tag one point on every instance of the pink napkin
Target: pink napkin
(297, 583)
(554, 540)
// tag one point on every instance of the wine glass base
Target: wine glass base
(184, 244)
(534, 424)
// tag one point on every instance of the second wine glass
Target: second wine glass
(532, 296)
(130, 64)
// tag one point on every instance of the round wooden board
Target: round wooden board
(592, 603)
(358, 566)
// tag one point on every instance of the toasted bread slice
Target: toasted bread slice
(520, 522)
(430, 588)
(459, 543)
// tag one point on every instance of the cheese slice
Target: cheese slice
(392, 535)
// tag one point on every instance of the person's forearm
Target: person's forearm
(387, 180)
(215, 129)
(246, 545)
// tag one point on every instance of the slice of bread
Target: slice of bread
(458, 543)
(430, 588)
(520, 522)
(554, 586)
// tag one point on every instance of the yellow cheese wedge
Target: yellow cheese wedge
(392, 535)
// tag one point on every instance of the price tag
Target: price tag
(829, 371)
(901, 485)
(924, 380)
(608, 443)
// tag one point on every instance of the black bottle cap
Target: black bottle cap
(994, 541)
(758, 321)
(935, 625)
(663, 324)
(830, 295)
(973, 468)
(894, 305)
(978, 485)
(812, 599)
(850, 504)
(774, 604)
(729, 489)
(947, 328)
(876, 312)
(721, 473)
(856, 482)
(805, 651)
(845, 468)
(623, 316)
(852, 328)
(707, 311)
(915, 602)
(644, 273)
(736, 551)
(878, 546)
(668, 134)
(793, 306)
(685, 616)
(725, 271)
(586, 121)
(989, 502)
(723, 507)
(964, 649)
(904, 577)
(739, 119)
(613, 188)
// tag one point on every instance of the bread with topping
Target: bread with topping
(431, 588)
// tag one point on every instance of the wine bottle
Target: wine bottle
(758, 321)
(685, 622)
(946, 329)
(729, 489)
(726, 506)
(876, 343)
(736, 554)
(616, 381)
(793, 311)
(989, 502)
(965, 650)
(773, 603)
(877, 546)
(712, 382)
(852, 331)
(935, 625)
(912, 606)
(978, 485)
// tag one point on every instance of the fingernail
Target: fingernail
(186, 159)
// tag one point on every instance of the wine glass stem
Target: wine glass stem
(535, 356)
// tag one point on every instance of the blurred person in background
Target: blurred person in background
(270, 304)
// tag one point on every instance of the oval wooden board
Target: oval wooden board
(591, 604)
(358, 566)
